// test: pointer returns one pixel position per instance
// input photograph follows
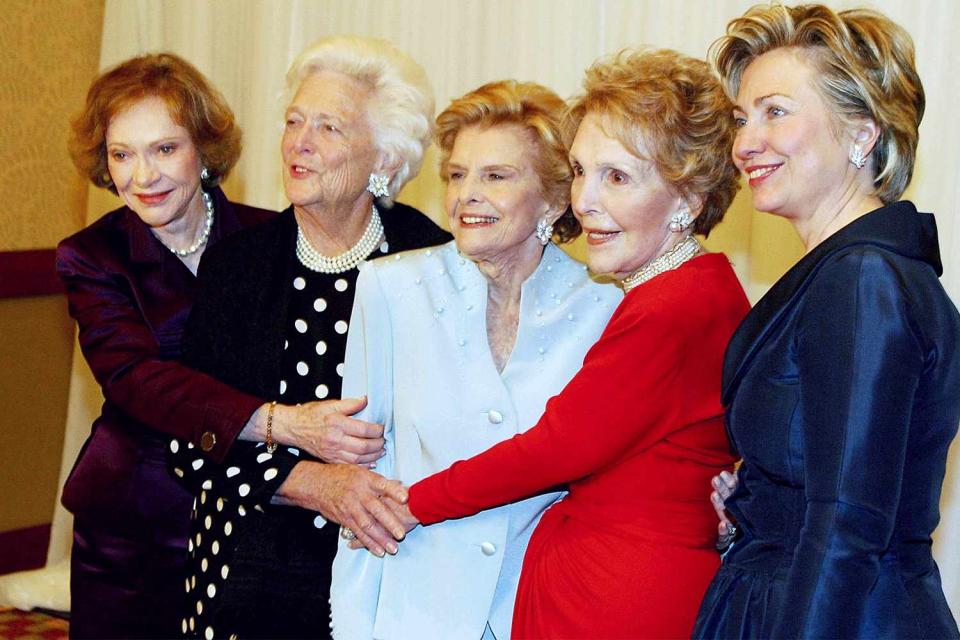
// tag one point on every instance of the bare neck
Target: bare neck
(855, 199)
(505, 280)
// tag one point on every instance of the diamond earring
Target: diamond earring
(378, 185)
(857, 158)
(544, 231)
(205, 174)
(680, 221)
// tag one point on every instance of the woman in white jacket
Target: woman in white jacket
(460, 347)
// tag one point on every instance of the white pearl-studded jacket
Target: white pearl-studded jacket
(418, 349)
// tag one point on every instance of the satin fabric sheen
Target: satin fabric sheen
(131, 297)
(843, 394)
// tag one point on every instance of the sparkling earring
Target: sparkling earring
(378, 185)
(544, 230)
(857, 158)
(680, 221)
(205, 174)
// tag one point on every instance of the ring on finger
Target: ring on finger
(347, 534)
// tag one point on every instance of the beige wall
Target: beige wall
(51, 51)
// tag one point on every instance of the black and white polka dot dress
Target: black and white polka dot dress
(315, 338)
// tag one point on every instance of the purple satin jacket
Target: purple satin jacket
(131, 297)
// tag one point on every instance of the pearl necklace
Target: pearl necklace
(204, 235)
(349, 259)
(683, 251)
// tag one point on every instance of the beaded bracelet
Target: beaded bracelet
(271, 445)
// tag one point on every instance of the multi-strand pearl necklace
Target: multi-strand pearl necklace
(349, 259)
(204, 236)
(683, 251)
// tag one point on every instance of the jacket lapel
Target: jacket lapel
(896, 227)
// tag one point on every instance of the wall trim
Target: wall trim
(29, 273)
(23, 549)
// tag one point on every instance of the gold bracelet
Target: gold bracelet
(271, 445)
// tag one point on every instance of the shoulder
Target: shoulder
(408, 228)
(569, 280)
(399, 268)
(108, 227)
(259, 240)
(874, 283)
(704, 292)
(248, 216)
(708, 280)
(864, 272)
(106, 238)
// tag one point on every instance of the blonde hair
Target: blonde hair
(191, 100)
(674, 106)
(540, 112)
(865, 69)
(400, 106)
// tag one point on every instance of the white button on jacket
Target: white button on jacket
(431, 381)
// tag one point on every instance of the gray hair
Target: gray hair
(400, 108)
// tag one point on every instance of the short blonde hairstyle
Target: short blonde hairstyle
(674, 106)
(192, 101)
(400, 106)
(540, 112)
(865, 69)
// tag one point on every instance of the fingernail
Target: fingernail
(379, 553)
(399, 534)
(392, 548)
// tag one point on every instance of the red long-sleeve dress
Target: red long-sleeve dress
(638, 433)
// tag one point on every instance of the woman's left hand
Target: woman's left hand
(723, 487)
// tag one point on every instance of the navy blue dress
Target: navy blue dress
(842, 389)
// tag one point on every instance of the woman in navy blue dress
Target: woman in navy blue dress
(842, 386)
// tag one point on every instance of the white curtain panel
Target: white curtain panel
(244, 46)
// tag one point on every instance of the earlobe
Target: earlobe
(555, 212)
(387, 166)
(866, 135)
(693, 205)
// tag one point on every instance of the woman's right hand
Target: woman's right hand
(357, 499)
(323, 428)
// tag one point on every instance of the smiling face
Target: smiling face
(621, 201)
(789, 145)
(155, 168)
(328, 147)
(494, 196)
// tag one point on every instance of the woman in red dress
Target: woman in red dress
(638, 433)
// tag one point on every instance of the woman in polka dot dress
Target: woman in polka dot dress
(274, 322)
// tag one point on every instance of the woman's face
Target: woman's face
(493, 196)
(787, 146)
(328, 148)
(620, 200)
(155, 166)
